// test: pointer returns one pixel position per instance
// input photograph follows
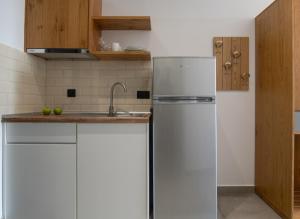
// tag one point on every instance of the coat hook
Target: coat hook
(227, 65)
(236, 54)
(218, 44)
(245, 76)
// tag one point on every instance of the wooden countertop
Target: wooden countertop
(77, 118)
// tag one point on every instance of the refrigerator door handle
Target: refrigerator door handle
(183, 99)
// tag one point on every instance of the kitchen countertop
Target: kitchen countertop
(78, 118)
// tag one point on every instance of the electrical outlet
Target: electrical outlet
(143, 94)
(71, 93)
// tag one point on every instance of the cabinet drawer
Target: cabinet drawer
(40, 133)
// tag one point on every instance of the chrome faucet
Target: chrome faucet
(111, 110)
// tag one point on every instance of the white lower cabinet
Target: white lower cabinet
(40, 181)
(60, 171)
(39, 164)
(112, 171)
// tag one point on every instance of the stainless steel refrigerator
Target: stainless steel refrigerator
(184, 138)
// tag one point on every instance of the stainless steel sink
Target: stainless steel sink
(106, 114)
(132, 114)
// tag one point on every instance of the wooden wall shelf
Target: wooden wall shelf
(101, 23)
(123, 55)
(122, 22)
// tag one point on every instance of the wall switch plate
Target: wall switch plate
(71, 93)
(143, 94)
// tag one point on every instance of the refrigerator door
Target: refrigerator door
(185, 182)
(184, 76)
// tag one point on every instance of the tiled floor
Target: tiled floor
(244, 206)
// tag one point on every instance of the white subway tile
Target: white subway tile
(3, 99)
(71, 108)
(19, 90)
(52, 91)
(3, 50)
(89, 108)
(67, 73)
(15, 54)
(93, 80)
(4, 74)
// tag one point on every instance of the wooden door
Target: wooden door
(274, 107)
(297, 53)
(56, 24)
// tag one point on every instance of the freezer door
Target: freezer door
(185, 184)
(184, 76)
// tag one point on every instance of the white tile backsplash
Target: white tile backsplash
(93, 80)
(22, 81)
(28, 83)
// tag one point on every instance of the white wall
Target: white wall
(186, 28)
(12, 23)
(21, 76)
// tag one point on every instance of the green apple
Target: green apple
(46, 111)
(58, 111)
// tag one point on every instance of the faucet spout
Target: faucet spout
(111, 110)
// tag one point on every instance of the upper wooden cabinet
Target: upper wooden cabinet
(56, 24)
(78, 24)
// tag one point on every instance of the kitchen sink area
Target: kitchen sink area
(106, 114)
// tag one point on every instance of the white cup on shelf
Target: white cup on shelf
(116, 47)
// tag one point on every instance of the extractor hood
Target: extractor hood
(62, 53)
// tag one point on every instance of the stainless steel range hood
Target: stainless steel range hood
(73, 54)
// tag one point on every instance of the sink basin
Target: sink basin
(131, 114)
(117, 114)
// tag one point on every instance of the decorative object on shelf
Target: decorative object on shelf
(103, 45)
(116, 47)
(232, 54)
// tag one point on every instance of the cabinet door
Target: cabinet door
(40, 181)
(56, 24)
(112, 171)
